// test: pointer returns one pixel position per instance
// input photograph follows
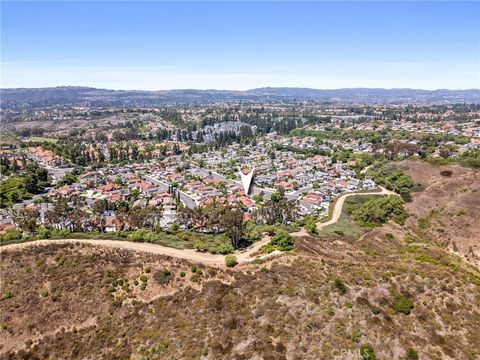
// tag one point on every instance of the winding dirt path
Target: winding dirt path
(337, 210)
(187, 254)
(243, 256)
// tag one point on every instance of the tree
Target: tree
(31, 183)
(233, 223)
(277, 209)
(26, 219)
(98, 209)
(59, 216)
(145, 217)
(80, 221)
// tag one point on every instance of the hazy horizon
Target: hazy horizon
(241, 46)
(238, 90)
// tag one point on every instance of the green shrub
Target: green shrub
(389, 236)
(195, 277)
(44, 233)
(283, 241)
(225, 249)
(348, 304)
(270, 230)
(340, 286)
(7, 328)
(366, 352)
(138, 235)
(10, 235)
(182, 274)
(143, 278)
(311, 225)
(267, 249)
(147, 270)
(356, 335)
(230, 260)
(60, 260)
(375, 310)
(412, 354)
(163, 277)
(379, 211)
(44, 293)
(200, 245)
(63, 233)
(174, 227)
(8, 294)
(402, 304)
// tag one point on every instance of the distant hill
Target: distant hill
(39, 97)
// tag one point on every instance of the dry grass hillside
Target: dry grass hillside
(72, 302)
(447, 211)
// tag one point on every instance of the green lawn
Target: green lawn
(11, 186)
(344, 227)
(42, 139)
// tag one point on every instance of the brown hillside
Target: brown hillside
(66, 303)
(447, 211)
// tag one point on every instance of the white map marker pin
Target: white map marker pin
(246, 180)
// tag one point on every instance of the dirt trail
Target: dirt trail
(190, 254)
(187, 254)
(337, 210)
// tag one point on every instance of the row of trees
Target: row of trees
(215, 218)
(76, 216)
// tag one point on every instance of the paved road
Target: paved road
(186, 199)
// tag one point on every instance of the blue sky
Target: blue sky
(240, 45)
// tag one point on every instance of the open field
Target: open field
(42, 139)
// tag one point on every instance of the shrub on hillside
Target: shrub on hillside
(283, 241)
(163, 277)
(230, 260)
(11, 235)
(366, 352)
(340, 286)
(379, 211)
(402, 304)
(412, 354)
(311, 225)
